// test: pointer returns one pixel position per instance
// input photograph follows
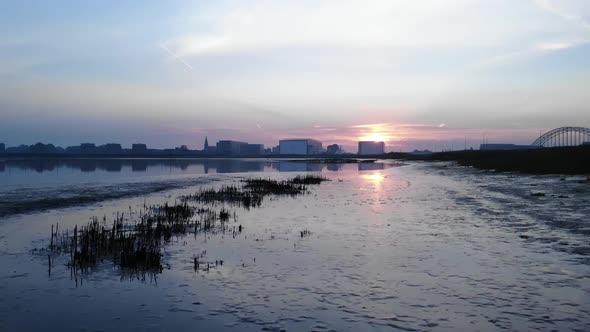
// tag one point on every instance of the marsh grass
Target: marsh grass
(252, 191)
(134, 241)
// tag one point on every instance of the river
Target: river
(388, 246)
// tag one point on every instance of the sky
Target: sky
(424, 74)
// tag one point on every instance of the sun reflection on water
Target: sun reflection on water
(373, 183)
(374, 178)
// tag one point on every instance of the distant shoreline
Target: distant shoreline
(573, 160)
(562, 160)
(352, 158)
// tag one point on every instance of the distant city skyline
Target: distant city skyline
(448, 139)
(420, 75)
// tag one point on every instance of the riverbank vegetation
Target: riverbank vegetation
(134, 241)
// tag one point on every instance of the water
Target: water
(414, 247)
(36, 184)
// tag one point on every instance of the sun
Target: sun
(375, 137)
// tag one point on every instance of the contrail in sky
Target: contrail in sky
(177, 57)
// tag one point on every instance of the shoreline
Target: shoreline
(573, 160)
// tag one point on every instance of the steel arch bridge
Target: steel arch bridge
(564, 136)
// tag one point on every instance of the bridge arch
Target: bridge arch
(564, 136)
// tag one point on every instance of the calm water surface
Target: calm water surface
(412, 248)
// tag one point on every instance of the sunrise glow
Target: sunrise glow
(379, 132)
(377, 137)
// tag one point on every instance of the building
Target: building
(254, 149)
(18, 149)
(303, 146)
(210, 150)
(111, 148)
(139, 148)
(87, 148)
(73, 149)
(495, 147)
(207, 149)
(2, 147)
(334, 149)
(42, 148)
(371, 148)
(239, 148)
(231, 147)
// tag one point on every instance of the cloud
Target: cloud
(553, 46)
(505, 30)
(538, 49)
(348, 66)
(555, 8)
(264, 25)
(371, 125)
(186, 64)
